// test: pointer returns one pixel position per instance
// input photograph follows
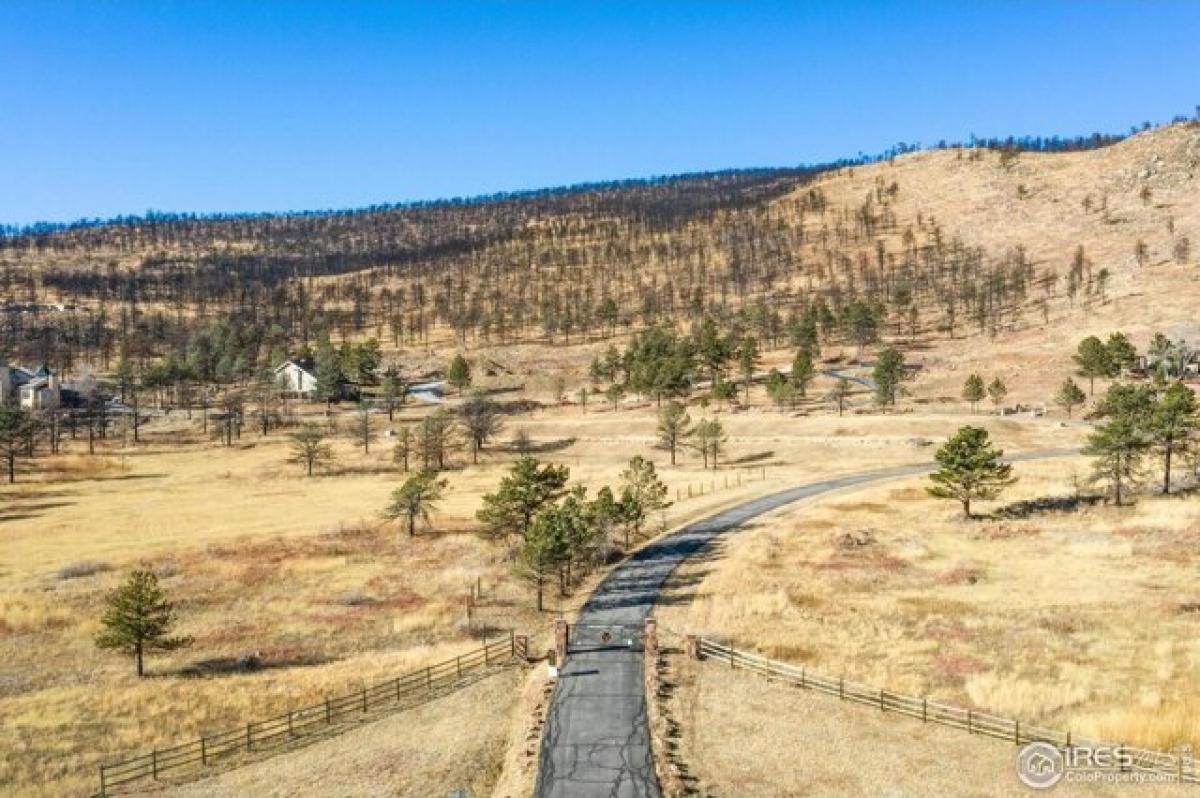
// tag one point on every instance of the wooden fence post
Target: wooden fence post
(691, 644)
(154, 764)
(968, 721)
(104, 786)
(842, 688)
(924, 710)
(291, 727)
(802, 684)
(328, 712)
(249, 736)
(397, 688)
(203, 752)
(458, 667)
(881, 701)
(1016, 732)
(429, 678)
(364, 699)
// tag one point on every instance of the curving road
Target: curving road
(596, 740)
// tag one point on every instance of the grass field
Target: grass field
(1080, 618)
(301, 574)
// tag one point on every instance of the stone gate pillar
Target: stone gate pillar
(560, 642)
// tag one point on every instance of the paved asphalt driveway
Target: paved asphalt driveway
(596, 741)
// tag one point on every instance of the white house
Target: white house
(295, 378)
(33, 390)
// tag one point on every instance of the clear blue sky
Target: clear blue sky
(120, 107)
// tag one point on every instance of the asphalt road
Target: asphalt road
(596, 740)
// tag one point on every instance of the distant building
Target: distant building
(296, 377)
(33, 390)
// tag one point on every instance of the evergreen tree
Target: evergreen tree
(973, 391)
(997, 391)
(887, 375)
(674, 427)
(1121, 353)
(481, 419)
(642, 494)
(528, 487)
(1092, 361)
(1172, 426)
(802, 371)
(1121, 442)
(709, 440)
(309, 447)
(416, 498)
(138, 620)
(458, 374)
(330, 379)
(969, 468)
(1069, 396)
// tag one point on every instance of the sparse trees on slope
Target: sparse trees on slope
(138, 620)
(416, 498)
(969, 468)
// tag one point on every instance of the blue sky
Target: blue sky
(120, 107)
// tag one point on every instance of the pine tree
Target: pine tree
(416, 498)
(642, 494)
(1172, 426)
(997, 390)
(802, 371)
(1069, 396)
(309, 447)
(523, 492)
(458, 374)
(887, 375)
(1119, 445)
(970, 468)
(138, 620)
(1093, 361)
(973, 391)
(674, 427)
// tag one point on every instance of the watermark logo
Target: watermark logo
(1040, 766)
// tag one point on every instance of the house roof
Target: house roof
(292, 362)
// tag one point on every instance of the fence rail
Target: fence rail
(1179, 765)
(263, 734)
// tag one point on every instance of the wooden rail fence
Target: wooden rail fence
(1180, 765)
(273, 732)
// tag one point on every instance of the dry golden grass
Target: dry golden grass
(742, 735)
(455, 742)
(1082, 620)
(300, 571)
